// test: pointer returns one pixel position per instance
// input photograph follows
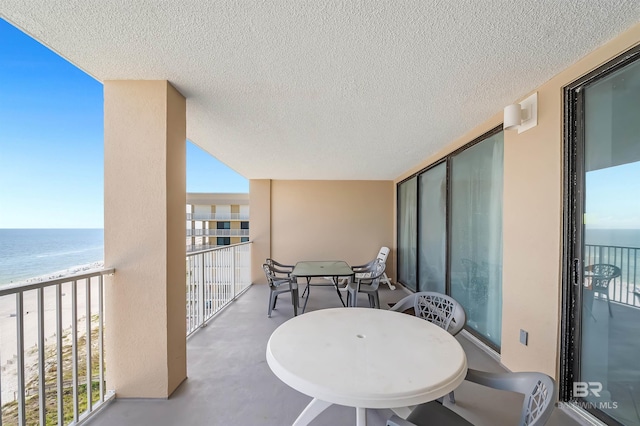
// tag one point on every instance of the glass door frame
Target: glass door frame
(573, 228)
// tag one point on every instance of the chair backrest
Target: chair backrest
(602, 274)
(441, 310)
(279, 268)
(376, 272)
(271, 275)
(383, 253)
(538, 389)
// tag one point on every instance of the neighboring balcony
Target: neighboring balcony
(217, 216)
(217, 232)
(624, 289)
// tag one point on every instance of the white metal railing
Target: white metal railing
(51, 336)
(215, 277)
(217, 216)
(218, 232)
(200, 247)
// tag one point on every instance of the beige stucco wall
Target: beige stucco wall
(331, 220)
(145, 137)
(259, 226)
(532, 218)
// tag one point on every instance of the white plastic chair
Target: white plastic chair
(538, 390)
(279, 285)
(368, 285)
(362, 271)
(437, 308)
(382, 255)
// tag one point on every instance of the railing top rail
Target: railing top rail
(610, 246)
(20, 287)
(191, 253)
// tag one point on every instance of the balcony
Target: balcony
(624, 289)
(217, 232)
(325, 146)
(46, 355)
(219, 294)
(230, 383)
(217, 216)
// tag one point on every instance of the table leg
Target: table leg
(361, 416)
(306, 288)
(308, 291)
(402, 411)
(311, 411)
(335, 284)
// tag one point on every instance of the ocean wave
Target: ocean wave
(66, 253)
(87, 267)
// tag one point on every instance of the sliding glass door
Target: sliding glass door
(605, 288)
(476, 235)
(450, 232)
(432, 227)
(407, 226)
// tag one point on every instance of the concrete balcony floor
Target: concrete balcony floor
(230, 382)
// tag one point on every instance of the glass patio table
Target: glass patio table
(314, 269)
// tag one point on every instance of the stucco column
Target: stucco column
(259, 226)
(144, 224)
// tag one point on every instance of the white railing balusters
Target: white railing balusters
(223, 275)
(232, 254)
(74, 347)
(0, 392)
(42, 393)
(20, 358)
(101, 335)
(59, 360)
(38, 368)
(201, 284)
(89, 367)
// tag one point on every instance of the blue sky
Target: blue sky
(51, 142)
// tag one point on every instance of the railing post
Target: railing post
(601, 254)
(74, 349)
(59, 373)
(42, 401)
(89, 366)
(101, 336)
(201, 293)
(22, 420)
(233, 273)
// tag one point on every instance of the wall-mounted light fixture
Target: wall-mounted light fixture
(522, 116)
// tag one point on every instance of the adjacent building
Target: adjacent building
(216, 219)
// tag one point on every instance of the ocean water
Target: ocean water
(29, 253)
(613, 237)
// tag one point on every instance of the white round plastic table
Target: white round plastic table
(365, 358)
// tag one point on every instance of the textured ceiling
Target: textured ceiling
(291, 89)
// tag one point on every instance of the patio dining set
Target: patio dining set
(307, 352)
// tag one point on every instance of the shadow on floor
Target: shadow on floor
(230, 383)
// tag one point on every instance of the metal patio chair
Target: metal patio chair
(601, 275)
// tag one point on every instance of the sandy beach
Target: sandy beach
(8, 323)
